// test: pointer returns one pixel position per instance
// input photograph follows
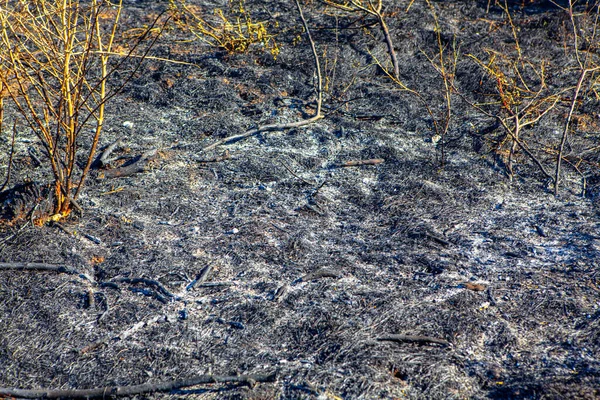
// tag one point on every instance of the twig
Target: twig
(321, 273)
(104, 160)
(39, 267)
(376, 11)
(437, 239)
(359, 163)
(264, 128)
(225, 156)
(114, 391)
(138, 165)
(215, 284)
(147, 282)
(413, 339)
(33, 155)
(200, 278)
(291, 125)
(120, 336)
(298, 177)
(12, 150)
(565, 134)
(389, 44)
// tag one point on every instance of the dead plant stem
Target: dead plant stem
(291, 125)
(565, 134)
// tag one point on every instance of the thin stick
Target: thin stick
(114, 391)
(147, 282)
(264, 128)
(360, 163)
(104, 160)
(291, 125)
(389, 44)
(565, 134)
(294, 174)
(12, 149)
(316, 58)
(26, 266)
(321, 273)
(413, 339)
(139, 165)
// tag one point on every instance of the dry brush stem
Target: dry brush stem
(414, 339)
(561, 148)
(119, 391)
(292, 125)
(55, 57)
(586, 66)
(235, 32)
(516, 103)
(20, 266)
(447, 76)
(374, 9)
(50, 49)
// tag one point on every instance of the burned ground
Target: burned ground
(503, 270)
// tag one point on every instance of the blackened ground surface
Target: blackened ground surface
(404, 236)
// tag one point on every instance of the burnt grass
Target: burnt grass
(502, 269)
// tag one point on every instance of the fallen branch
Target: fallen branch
(12, 148)
(104, 160)
(291, 125)
(200, 278)
(413, 339)
(321, 273)
(39, 267)
(225, 156)
(114, 391)
(121, 336)
(147, 282)
(359, 163)
(138, 165)
(375, 10)
(215, 284)
(561, 148)
(264, 128)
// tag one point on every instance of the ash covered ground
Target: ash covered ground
(315, 261)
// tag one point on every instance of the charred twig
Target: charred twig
(26, 266)
(104, 157)
(12, 150)
(33, 154)
(264, 128)
(280, 293)
(120, 336)
(476, 287)
(63, 228)
(115, 391)
(320, 273)
(559, 156)
(91, 238)
(437, 239)
(138, 165)
(149, 293)
(360, 163)
(200, 278)
(295, 175)
(413, 339)
(215, 284)
(374, 10)
(147, 282)
(225, 156)
(291, 125)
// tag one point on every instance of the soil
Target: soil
(312, 261)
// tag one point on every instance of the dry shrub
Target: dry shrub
(55, 59)
(234, 30)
